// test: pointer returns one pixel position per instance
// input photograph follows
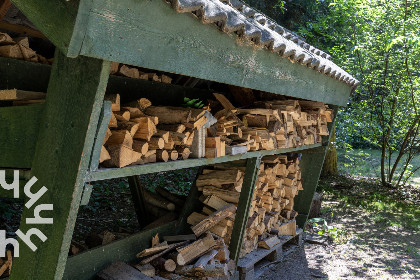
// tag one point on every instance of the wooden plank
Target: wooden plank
(311, 166)
(86, 264)
(201, 51)
(55, 19)
(100, 134)
(109, 173)
(61, 159)
(19, 126)
(242, 212)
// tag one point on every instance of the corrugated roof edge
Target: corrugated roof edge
(234, 16)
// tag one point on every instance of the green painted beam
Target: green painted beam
(109, 173)
(63, 150)
(55, 19)
(311, 167)
(104, 119)
(87, 264)
(19, 126)
(242, 211)
(151, 34)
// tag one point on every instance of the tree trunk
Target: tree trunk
(330, 162)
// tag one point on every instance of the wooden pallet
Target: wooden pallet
(250, 266)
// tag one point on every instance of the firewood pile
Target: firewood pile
(201, 255)
(134, 73)
(267, 125)
(18, 48)
(6, 264)
(141, 133)
(271, 212)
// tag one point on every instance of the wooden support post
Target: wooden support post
(191, 204)
(311, 167)
(242, 212)
(136, 189)
(67, 130)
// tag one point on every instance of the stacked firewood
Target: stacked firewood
(141, 133)
(220, 186)
(271, 211)
(19, 48)
(135, 73)
(269, 125)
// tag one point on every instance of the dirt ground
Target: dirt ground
(374, 250)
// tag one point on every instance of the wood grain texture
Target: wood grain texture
(142, 32)
(61, 159)
(19, 126)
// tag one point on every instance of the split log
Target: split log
(120, 137)
(167, 250)
(269, 243)
(140, 146)
(211, 270)
(150, 251)
(162, 155)
(104, 155)
(15, 94)
(189, 253)
(229, 196)
(170, 196)
(131, 127)
(213, 219)
(215, 202)
(169, 115)
(158, 201)
(122, 155)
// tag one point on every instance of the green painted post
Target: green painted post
(311, 167)
(242, 212)
(67, 131)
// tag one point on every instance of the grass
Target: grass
(388, 206)
(367, 163)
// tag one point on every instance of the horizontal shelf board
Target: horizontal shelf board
(109, 173)
(87, 264)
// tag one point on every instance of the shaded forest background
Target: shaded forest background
(378, 42)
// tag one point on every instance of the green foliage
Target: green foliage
(378, 42)
(193, 103)
(321, 227)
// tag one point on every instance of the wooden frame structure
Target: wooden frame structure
(90, 33)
